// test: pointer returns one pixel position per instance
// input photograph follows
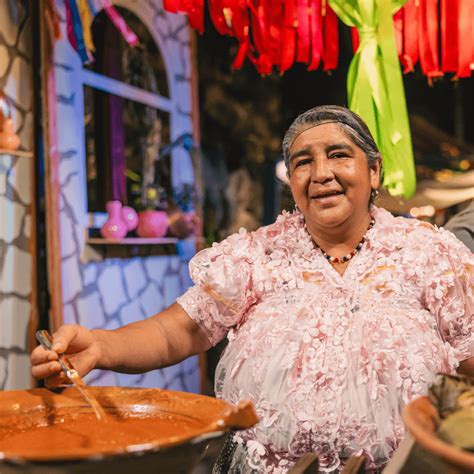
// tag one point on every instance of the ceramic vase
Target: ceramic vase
(9, 140)
(152, 224)
(115, 228)
(130, 217)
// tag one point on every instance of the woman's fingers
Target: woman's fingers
(41, 355)
(64, 336)
(43, 370)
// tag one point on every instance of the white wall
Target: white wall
(112, 292)
(15, 200)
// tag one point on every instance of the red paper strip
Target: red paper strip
(355, 39)
(288, 42)
(316, 28)
(465, 38)
(428, 37)
(303, 44)
(449, 35)
(331, 39)
(410, 36)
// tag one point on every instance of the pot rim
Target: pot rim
(228, 417)
(419, 415)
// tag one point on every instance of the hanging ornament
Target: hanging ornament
(273, 33)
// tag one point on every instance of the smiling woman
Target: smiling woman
(334, 169)
(337, 314)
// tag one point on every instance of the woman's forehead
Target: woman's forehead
(326, 133)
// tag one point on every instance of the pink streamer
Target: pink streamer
(129, 36)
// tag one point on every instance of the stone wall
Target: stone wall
(15, 199)
(108, 293)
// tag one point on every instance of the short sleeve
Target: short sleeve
(223, 288)
(449, 292)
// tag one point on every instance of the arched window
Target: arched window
(126, 116)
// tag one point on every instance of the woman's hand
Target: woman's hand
(162, 340)
(79, 344)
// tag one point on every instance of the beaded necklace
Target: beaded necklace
(347, 257)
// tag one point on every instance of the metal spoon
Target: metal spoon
(45, 339)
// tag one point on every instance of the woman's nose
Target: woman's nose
(321, 170)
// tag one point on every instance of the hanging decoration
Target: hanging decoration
(271, 33)
(375, 87)
(277, 33)
(79, 15)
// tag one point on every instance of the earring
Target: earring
(374, 194)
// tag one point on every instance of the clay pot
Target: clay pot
(194, 422)
(152, 224)
(130, 217)
(115, 228)
(421, 419)
(9, 140)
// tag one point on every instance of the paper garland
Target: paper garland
(79, 15)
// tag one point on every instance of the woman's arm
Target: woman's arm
(164, 339)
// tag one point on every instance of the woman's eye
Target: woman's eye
(338, 155)
(302, 162)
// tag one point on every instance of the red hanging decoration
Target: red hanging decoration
(465, 38)
(331, 38)
(304, 40)
(271, 33)
(316, 34)
(276, 33)
(428, 37)
(449, 35)
(288, 39)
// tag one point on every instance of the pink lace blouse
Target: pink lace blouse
(330, 360)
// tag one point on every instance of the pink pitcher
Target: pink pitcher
(115, 228)
(130, 216)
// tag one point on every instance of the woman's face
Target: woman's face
(330, 178)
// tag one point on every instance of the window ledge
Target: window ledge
(133, 241)
(24, 154)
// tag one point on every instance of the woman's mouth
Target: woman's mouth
(327, 198)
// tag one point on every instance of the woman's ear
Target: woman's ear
(375, 173)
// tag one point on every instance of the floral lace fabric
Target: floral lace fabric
(328, 360)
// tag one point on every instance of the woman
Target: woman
(337, 314)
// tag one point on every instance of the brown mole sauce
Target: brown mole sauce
(82, 434)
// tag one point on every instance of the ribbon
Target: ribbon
(331, 38)
(375, 88)
(172, 5)
(129, 36)
(53, 21)
(216, 10)
(410, 36)
(465, 38)
(86, 20)
(303, 32)
(288, 40)
(74, 27)
(449, 35)
(316, 35)
(428, 37)
(70, 27)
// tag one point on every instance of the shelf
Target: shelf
(131, 247)
(24, 154)
(133, 241)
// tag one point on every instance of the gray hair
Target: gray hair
(355, 128)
